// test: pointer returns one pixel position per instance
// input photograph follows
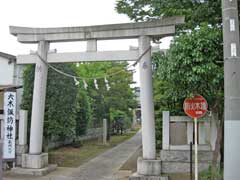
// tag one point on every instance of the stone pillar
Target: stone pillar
(166, 129)
(22, 133)
(22, 147)
(36, 159)
(213, 133)
(147, 165)
(104, 131)
(134, 122)
(38, 104)
(146, 98)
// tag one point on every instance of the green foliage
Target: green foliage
(60, 106)
(207, 174)
(70, 110)
(60, 109)
(120, 120)
(195, 11)
(119, 97)
(158, 124)
(84, 112)
(193, 66)
(28, 78)
(194, 63)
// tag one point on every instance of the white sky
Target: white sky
(59, 13)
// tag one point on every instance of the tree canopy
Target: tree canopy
(70, 108)
(193, 66)
(60, 107)
(195, 11)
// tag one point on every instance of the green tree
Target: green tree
(120, 121)
(120, 95)
(84, 112)
(71, 109)
(195, 11)
(194, 65)
(60, 106)
(193, 47)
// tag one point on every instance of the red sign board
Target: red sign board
(195, 107)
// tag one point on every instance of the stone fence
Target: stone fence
(178, 132)
(93, 133)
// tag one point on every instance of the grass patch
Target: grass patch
(179, 176)
(69, 156)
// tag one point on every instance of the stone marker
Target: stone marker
(105, 131)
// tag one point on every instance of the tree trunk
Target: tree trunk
(218, 118)
(108, 130)
(216, 152)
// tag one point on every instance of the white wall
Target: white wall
(11, 74)
(6, 72)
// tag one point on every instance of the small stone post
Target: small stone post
(22, 147)
(22, 133)
(134, 123)
(104, 131)
(166, 129)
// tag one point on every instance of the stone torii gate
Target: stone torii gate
(143, 31)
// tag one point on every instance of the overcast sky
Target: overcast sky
(59, 13)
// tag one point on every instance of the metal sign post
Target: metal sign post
(191, 173)
(195, 107)
(196, 148)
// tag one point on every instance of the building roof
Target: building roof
(8, 56)
(9, 87)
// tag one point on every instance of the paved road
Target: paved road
(107, 164)
(103, 167)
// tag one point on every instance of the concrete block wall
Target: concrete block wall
(93, 133)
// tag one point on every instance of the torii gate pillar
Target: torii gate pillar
(36, 159)
(146, 98)
(147, 165)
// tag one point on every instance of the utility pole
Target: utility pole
(231, 90)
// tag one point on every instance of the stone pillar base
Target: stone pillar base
(20, 149)
(34, 172)
(30, 161)
(148, 167)
(142, 177)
